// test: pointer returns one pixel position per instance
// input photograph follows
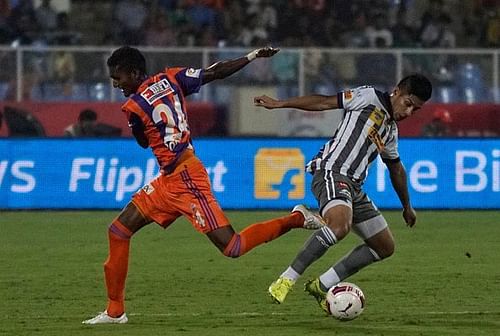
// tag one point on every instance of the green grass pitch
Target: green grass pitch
(444, 279)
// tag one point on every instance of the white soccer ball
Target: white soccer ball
(345, 301)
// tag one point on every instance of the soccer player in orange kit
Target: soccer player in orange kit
(156, 111)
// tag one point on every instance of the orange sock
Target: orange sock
(116, 267)
(263, 232)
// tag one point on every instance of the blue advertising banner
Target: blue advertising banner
(265, 173)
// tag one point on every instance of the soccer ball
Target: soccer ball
(345, 301)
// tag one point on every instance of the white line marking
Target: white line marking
(465, 312)
(199, 314)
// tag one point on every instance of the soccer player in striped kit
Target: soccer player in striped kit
(368, 129)
(156, 112)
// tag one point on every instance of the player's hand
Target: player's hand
(262, 52)
(267, 102)
(410, 216)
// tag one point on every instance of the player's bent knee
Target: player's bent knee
(386, 251)
(234, 248)
(119, 230)
(340, 231)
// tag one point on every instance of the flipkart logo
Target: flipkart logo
(279, 173)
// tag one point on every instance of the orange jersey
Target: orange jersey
(160, 104)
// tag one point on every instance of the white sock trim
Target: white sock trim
(375, 255)
(332, 239)
(330, 278)
(291, 274)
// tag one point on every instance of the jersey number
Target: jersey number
(172, 123)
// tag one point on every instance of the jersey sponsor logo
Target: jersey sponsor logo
(377, 116)
(376, 139)
(156, 91)
(194, 73)
(148, 189)
(197, 215)
(342, 189)
(279, 173)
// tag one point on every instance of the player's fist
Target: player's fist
(410, 216)
(266, 102)
(262, 52)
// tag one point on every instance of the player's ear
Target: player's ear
(395, 92)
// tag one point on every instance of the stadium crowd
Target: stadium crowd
(247, 23)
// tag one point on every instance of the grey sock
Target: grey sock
(361, 256)
(319, 242)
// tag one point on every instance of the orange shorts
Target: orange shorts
(186, 191)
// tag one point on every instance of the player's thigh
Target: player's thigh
(195, 200)
(339, 219)
(157, 201)
(382, 243)
(331, 189)
(333, 192)
(376, 234)
(132, 218)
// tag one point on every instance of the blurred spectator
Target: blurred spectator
(268, 16)
(434, 9)
(5, 29)
(63, 34)
(438, 34)
(493, 28)
(63, 66)
(339, 23)
(62, 73)
(292, 23)
(313, 59)
(30, 82)
(251, 32)
(46, 16)
(88, 126)
(474, 25)
(130, 16)
(403, 33)
(232, 18)
(21, 123)
(356, 36)
(379, 30)
(284, 67)
(439, 125)
(23, 22)
(159, 31)
(470, 81)
(207, 38)
(200, 15)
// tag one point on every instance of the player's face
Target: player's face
(127, 81)
(404, 104)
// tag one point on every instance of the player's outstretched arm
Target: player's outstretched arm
(226, 68)
(309, 103)
(398, 177)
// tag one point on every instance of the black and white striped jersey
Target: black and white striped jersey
(366, 130)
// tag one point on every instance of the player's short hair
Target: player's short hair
(127, 58)
(418, 85)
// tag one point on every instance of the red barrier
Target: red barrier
(55, 117)
(467, 120)
(477, 120)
